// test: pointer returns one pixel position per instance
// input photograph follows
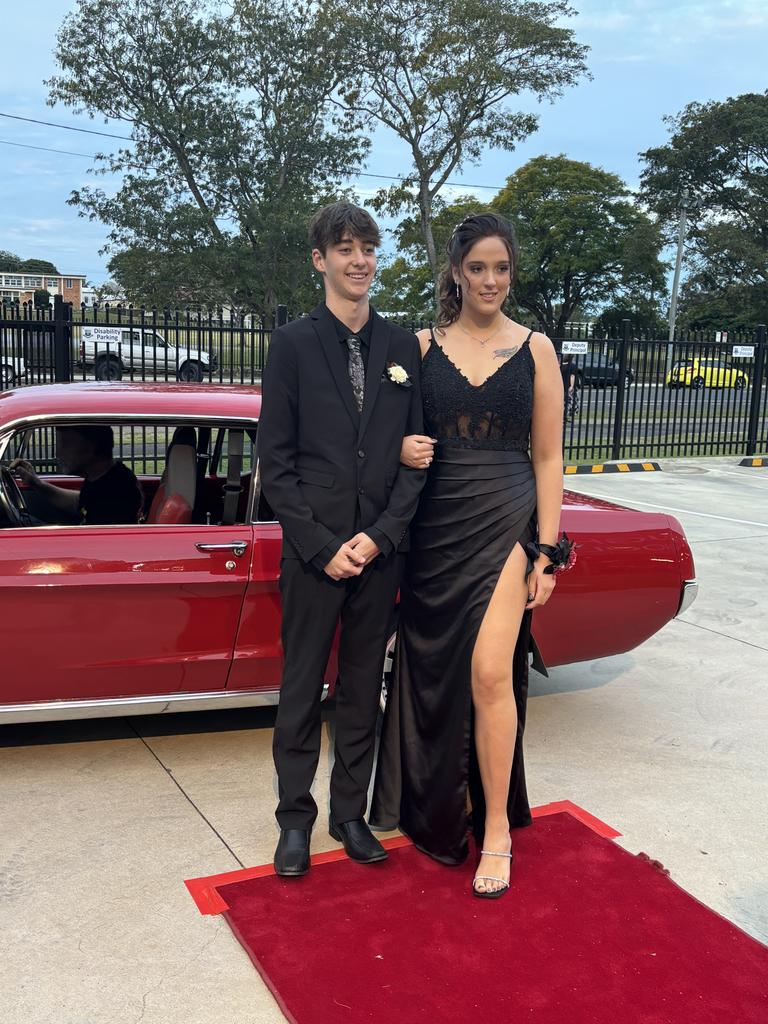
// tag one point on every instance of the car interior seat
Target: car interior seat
(174, 499)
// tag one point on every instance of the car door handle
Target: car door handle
(237, 547)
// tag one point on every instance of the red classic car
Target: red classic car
(181, 611)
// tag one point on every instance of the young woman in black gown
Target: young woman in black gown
(456, 709)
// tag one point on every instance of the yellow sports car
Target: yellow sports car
(705, 373)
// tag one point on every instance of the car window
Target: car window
(200, 473)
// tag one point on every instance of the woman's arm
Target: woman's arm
(417, 450)
(547, 459)
(547, 439)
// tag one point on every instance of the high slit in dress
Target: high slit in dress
(478, 502)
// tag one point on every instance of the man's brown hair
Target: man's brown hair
(331, 223)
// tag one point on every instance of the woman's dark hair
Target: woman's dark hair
(329, 225)
(465, 234)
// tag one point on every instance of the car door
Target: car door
(120, 611)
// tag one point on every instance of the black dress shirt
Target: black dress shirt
(322, 558)
(364, 334)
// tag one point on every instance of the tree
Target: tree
(642, 311)
(406, 284)
(37, 267)
(9, 260)
(583, 240)
(42, 298)
(717, 155)
(234, 139)
(440, 74)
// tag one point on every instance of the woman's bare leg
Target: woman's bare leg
(495, 708)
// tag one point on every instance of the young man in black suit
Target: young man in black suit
(340, 391)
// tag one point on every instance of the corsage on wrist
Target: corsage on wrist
(561, 555)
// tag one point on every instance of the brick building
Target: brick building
(21, 285)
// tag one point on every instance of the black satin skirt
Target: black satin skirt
(477, 504)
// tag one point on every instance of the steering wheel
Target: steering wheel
(12, 503)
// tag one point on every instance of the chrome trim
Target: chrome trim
(237, 547)
(688, 594)
(65, 710)
(256, 496)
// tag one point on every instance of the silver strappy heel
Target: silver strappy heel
(496, 893)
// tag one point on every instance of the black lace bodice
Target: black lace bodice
(497, 414)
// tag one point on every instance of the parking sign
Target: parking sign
(575, 348)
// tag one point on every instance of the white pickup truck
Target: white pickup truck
(115, 351)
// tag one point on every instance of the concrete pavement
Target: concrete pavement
(100, 822)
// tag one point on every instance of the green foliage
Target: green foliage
(404, 288)
(717, 155)
(406, 284)
(642, 312)
(37, 267)
(9, 260)
(235, 140)
(42, 298)
(448, 93)
(583, 240)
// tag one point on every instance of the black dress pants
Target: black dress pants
(312, 606)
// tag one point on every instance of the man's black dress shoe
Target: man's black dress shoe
(292, 853)
(361, 845)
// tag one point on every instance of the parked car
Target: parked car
(598, 371)
(116, 351)
(182, 611)
(12, 370)
(705, 373)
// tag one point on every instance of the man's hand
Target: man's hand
(347, 561)
(417, 451)
(364, 547)
(26, 471)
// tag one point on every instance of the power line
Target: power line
(126, 138)
(92, 156)
(68, 127)
(45, 149)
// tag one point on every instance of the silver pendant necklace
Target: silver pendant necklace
(482, 342)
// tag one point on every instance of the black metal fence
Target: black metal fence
(635, 396)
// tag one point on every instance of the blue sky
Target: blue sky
(649, 58)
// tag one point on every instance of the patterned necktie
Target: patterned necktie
(356, 369)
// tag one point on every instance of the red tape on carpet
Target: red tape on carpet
(205, 890)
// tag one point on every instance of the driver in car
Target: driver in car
(110, 494)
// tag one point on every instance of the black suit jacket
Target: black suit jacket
(326, 469)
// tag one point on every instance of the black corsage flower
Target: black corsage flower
(562, 555)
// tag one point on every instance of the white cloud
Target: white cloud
(658, 26)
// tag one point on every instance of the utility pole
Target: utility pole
(682, 207)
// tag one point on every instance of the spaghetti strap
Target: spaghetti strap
(530, 335)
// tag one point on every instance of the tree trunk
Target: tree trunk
(425, 214)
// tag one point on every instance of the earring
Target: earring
(458, 290)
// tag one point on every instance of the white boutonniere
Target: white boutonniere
(398, 375)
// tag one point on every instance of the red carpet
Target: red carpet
(589, 934)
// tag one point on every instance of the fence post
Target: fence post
(282, 316)
(621, 387)
(757, 390)
(62, 339)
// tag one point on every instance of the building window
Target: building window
(68, 282)
(13, 282)
(33, 282)
(53, 282)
